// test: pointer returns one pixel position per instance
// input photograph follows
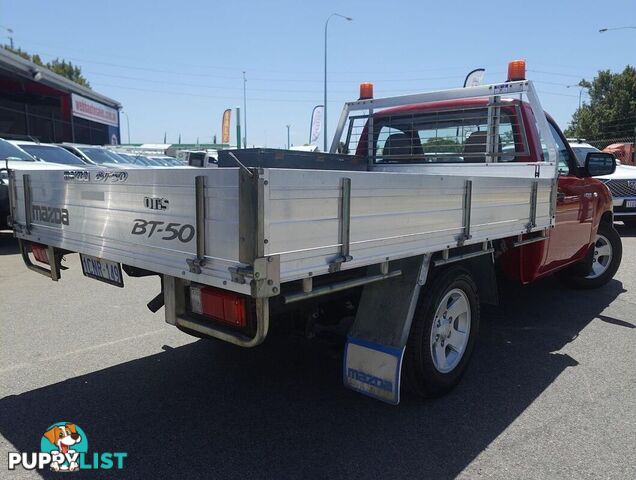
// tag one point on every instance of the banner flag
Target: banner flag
(474, 78)
(225, 126)
(316, 124)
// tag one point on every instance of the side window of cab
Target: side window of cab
(563, 153)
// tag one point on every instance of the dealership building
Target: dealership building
(39, 104)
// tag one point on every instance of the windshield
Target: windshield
(161, 161)
(8, 150)
(168, 161)
(51, 153)
(100, 155)
(134, 159)
(152, 162)
(581, 152)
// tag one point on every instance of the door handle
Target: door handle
(560, 196)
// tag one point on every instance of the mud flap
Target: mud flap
(375, 346)
(373, 369)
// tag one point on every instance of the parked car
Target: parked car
(198, 158)
(14, 158)
(48, 152)
(166, 160)
(134, 159)
(622, 184)
(97, 155)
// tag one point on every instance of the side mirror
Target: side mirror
(599, 163)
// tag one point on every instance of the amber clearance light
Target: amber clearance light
(366, 91)
(516, 70)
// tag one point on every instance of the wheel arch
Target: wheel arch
(482, 271)
(608, 217)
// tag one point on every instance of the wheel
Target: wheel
(608, 251)
(443, 334)
(630, 222)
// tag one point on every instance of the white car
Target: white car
(47, 152)
(97, 155)
(14, 158)
(622, 184)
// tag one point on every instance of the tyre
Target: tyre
(630, 222)
(608, 252)
(443, 334)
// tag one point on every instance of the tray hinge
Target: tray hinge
(26, 180)
(195, 264)
(532, 217)
(467, 204)
(345, 227)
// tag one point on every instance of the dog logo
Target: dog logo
(64, 448)
(65, 442)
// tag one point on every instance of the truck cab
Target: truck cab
(438, 137)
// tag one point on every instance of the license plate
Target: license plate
(630, 203)
(102, 270)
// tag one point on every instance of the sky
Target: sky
(175, 66)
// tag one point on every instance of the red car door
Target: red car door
(576, 200)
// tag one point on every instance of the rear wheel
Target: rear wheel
(443, 334)
(608, 252)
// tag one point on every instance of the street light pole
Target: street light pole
(127, 124)
(581, 87)
(10, 36)
(602, 30)
(244, 111)
(325, 99)
(288, 143)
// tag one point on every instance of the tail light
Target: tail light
(40, 252)
(219, 305)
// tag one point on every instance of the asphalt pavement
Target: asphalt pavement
(550, 393)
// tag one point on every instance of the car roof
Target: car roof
(80, 145)
(22, 142)
(25, 142)
(442, 105)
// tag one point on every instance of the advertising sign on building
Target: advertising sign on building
(91, 110)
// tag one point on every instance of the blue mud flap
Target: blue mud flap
(373, 369)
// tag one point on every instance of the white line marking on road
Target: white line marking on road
(102, 345)
(83, 350)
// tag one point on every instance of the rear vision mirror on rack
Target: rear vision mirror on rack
(599, 163)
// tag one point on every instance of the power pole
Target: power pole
(244, 111)
(288, 144)
(238, 127)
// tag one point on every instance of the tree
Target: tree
(611, 112)
(59, 66)
(68, 70)
(442, 145)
